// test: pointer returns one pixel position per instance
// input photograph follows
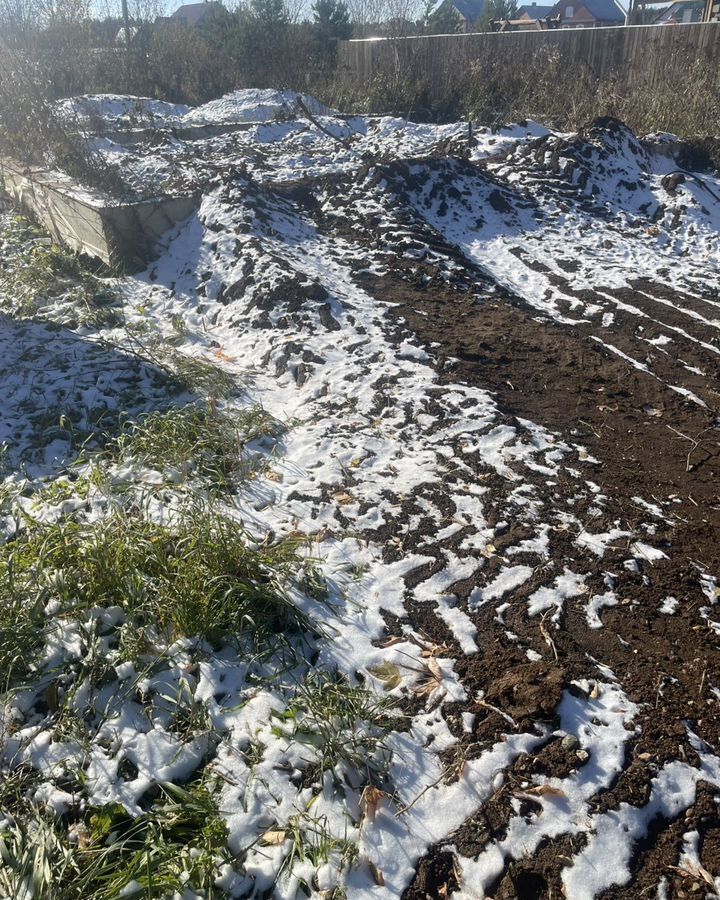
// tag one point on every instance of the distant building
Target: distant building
(466, 11)
(683, 11)
(532, 12)
(194, 14)
(587, 13)
(530, 17)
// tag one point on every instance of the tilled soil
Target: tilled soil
(650, 440)
(557, 375)
(513, 329)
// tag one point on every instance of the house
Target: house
(194, 14)
(532, 12)
(467, 12)
(531, 17)
(587, 13)
(683, 11)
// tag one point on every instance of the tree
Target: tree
(444, 20)
(494, 10)
(216, 25)
(261, 42)
(332, 21)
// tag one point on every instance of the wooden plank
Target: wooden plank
(637, 51)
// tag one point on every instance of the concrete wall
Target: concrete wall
(646, 49)
(122, 235)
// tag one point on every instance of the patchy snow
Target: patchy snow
(410, 490)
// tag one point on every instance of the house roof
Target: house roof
(468, 9)
(534, 10)
(600, 10)
(604, 10)
(678, 8)
(192, 13)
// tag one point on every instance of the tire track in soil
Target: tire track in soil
(556, 375)
(673, 644)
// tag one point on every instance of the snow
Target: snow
(388, 473)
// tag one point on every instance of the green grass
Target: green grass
(36, 273)
(345, 723)
(203, 377)
(201, 441)
(178, 845)
(312, 842)
(199, 578)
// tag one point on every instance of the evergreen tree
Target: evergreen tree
(494, 10)
(332, 21)
(444, 20)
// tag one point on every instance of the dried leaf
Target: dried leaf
(546, 790)
(392, 641)
(371, 798)
(343, 498)
(434, 650)
(274, 476)
(272, 838)
(434, 667)
(376, 874)
(388, 673)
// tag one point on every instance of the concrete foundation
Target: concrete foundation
(122, 235)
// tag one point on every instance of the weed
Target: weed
(40, 278)
(178, 846)
(345, 723)
(198, 440)
(203, 377)
(314, 843)
(198, 578)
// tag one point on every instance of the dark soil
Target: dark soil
(651, 442)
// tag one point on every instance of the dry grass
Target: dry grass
(549, 88)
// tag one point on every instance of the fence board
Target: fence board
(639, 50)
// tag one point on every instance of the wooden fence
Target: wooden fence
(647, 50)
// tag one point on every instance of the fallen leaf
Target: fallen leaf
(342, 497)
(545, 790)
(272, 838)
(376, 874)
(392, 640)
(388, 673)
(274, 476)
(434, 667)
(371, 798)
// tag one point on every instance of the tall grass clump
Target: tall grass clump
(198, 440)
(562, 92)
(346, 723)
(41, 279)
(175, 848)
(201, 577)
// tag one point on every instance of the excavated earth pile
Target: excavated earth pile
(499, 362)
